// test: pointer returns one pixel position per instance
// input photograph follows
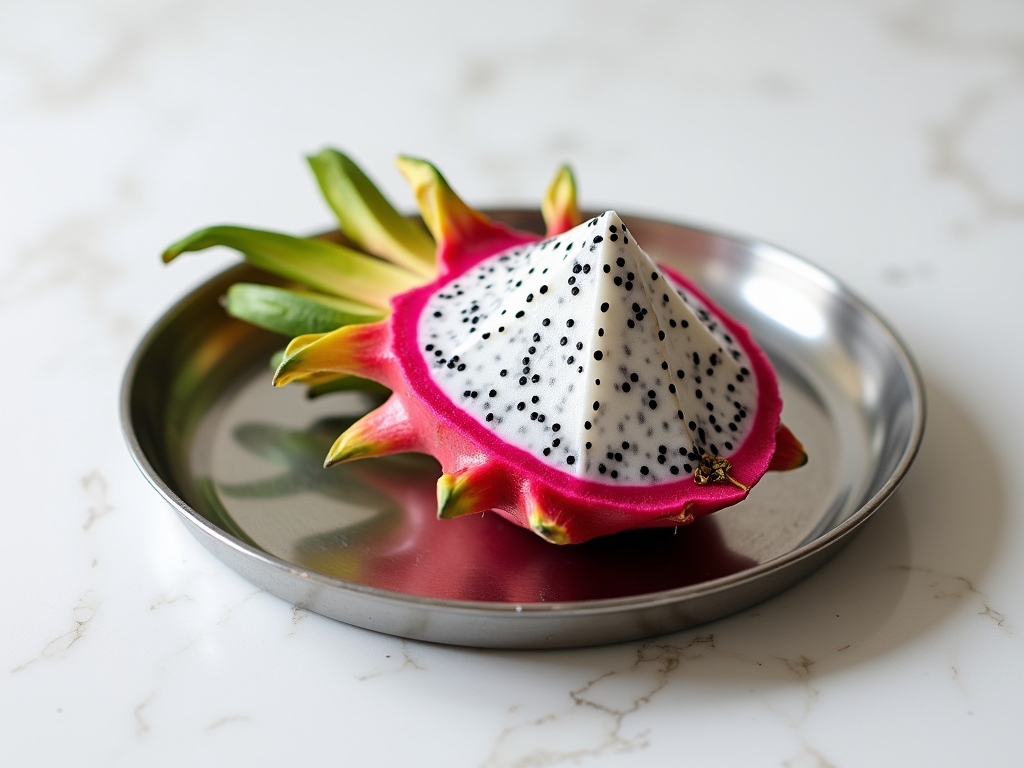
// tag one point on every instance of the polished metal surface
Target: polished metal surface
(241, 462)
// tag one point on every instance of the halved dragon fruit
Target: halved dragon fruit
(568, 383)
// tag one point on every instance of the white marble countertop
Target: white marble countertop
(881, 139)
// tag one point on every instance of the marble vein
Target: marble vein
(81, 616)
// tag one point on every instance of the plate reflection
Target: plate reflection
(387, 535)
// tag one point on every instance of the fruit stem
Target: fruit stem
(715, 469)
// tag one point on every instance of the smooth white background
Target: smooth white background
(881, 139)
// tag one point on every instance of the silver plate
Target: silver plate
(241, 462)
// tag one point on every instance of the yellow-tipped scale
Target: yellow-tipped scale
(559, 207)
(545, 526)
(472, 490)
(381, 432)
(358, 350)
(447, 217)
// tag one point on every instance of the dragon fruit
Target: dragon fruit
(568, 383)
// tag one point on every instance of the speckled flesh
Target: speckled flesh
(580, 350)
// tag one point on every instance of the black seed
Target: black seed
(664, 365)
(570, 323)
(620, 262)
(661, 337)
(630, 323)
(687, 468)
(521, 406)
(570, 459)
(489, 417)
(618, 457)
(462, 367)
(652, 404)
(546, 322)
(587, 425)
(437, 314)
(662, 459)
(564, 340)
(604, 307)
(556, 442)
(699, 394)
(543, 289)
(644, 470)
(579, 345)
(598, 239)
(570, 360)
(555, 427)
(625, 386)
(617, 280)
(614, 474)
(547, 451)
(634, 378)
(625, 445)
(429, 347)
(607, 268)
(529, 298)
(487, 335)
(601, 467)
(535, 399)
(598, 355)
(520, 313)
(672, 388)
(628, 286)
(662, 449)
(492, 393)
(522, 380)
(674, 470)
(728, 445)
(535, 378)
(711, 407)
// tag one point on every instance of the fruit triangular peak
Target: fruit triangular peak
(579, 350)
